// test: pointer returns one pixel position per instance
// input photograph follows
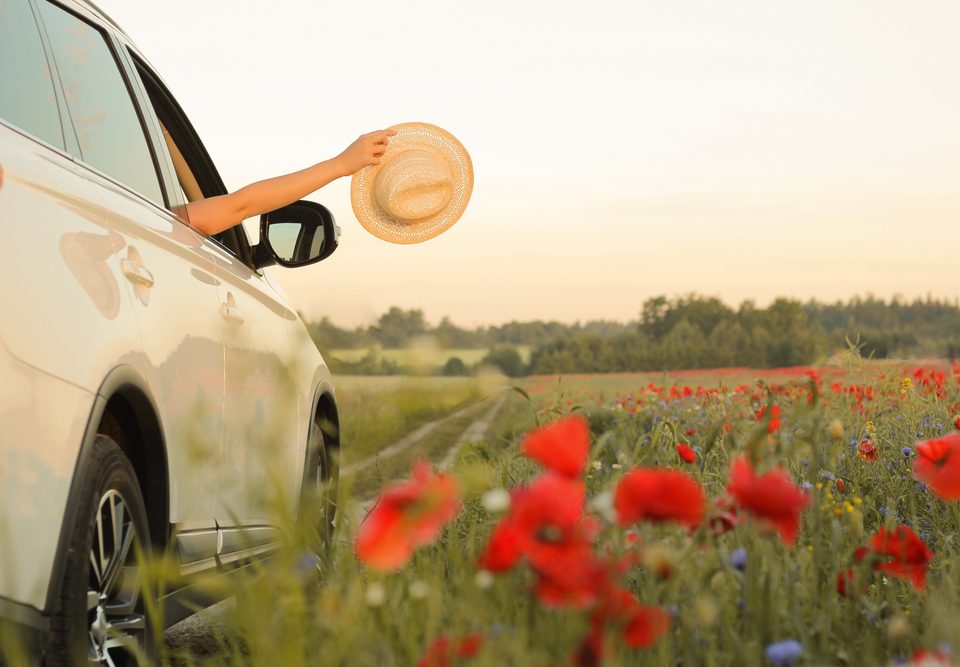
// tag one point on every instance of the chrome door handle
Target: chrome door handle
(231, 313)
(136, 273)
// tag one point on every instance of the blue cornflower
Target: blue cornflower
(807, 486)
(785, 653)
(308, 562)
(739, 559)
(907, 451)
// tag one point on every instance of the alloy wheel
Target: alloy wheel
(116, 622)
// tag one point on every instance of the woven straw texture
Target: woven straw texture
(376, 190)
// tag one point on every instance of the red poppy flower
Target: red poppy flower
(407, 515)
(845, 578)
(771, 496)
(546, 525)
(956, 422)
(446, 651)
(866, 451)
(642, 625)
(646, 625)
(659, 495)
(724, 516)
(774, 422)
(907, 557)
(938, 465)
(926, 658)
(569, 575)
(503, 549)
(561, 446)
(687, 455)
(845, 581)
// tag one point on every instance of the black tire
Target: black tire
(320, 493)
(100, 607)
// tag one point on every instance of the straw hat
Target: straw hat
(419, 189)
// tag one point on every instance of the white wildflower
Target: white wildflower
(483, 579)
(376, 594)
(419, 589)
(602, 504)
(496, 500)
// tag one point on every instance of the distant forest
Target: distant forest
(683, 332)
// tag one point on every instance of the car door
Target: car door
(263, 448)
(168, 269)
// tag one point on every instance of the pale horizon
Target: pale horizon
(748, 150)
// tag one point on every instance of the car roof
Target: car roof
(99, 13)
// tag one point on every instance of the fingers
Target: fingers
(380, 135)
(374, 145)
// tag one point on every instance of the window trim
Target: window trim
(193, 150)
(59, 100)
(108, 38)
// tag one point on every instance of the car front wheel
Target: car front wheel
(102, 618)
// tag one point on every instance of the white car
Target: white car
(154, 385)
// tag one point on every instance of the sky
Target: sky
(622, 149)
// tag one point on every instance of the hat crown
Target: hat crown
(413, 185)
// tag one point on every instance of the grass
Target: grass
(720, 614)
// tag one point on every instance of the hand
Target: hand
(366, 150)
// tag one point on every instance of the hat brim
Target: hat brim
(423, 137)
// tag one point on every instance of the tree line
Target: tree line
(683, 332)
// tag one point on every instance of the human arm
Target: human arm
(215, 214)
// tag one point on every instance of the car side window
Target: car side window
(106, 121)
(196, 175)
(28, 100)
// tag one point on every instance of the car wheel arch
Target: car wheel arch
(326, 416)
(124, 409)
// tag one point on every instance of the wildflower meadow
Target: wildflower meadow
(808, 516)
(806, 522)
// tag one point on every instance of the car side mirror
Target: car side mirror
(296, 235)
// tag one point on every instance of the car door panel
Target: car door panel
(263, 450)
(170, 272)
(67, 322)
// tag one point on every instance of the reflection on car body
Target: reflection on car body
(151, 377)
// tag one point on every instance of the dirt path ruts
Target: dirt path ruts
(408, 440)
(475, 432)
